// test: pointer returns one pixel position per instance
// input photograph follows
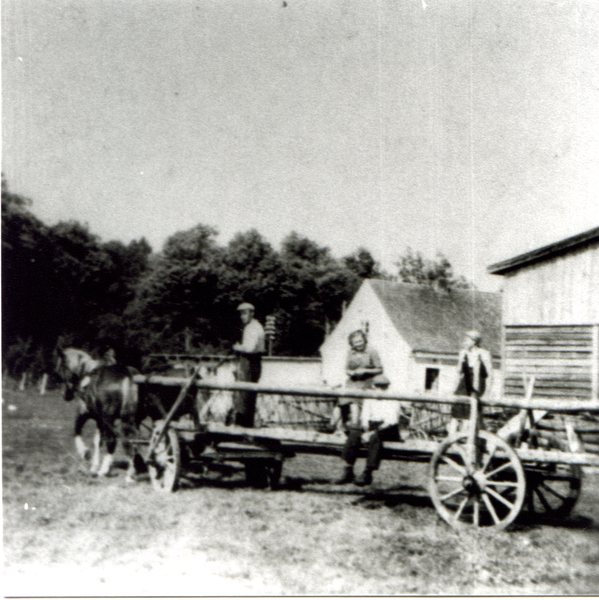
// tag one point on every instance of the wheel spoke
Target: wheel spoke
(452, 493)
(476, 514)
(489, 457)
(452, 463)
(505, 465)
(499, 497)
(447, 478)
(502, 483)
(552, 491)
(460, 509)
(544, 502)
(491, 509)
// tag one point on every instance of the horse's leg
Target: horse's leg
(80, 420)
(109, 456)
(129, 430)
(95, 468)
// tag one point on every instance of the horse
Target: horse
(105, 393)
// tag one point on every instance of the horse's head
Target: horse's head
(71, 366)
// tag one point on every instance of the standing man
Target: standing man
(474, 377)
(250, 351)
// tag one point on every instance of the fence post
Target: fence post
(43, 384)
(23, 381)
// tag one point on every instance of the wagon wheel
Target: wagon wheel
(165, 465)
(552, 489)
(488, 494)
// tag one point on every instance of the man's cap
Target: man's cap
(474, 335)
(246, 306)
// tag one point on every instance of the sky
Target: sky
(467, 127)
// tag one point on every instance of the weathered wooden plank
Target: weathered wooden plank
(547, 330)
(553, 384)
(595, 362)
(551, 378)
(549, 338)
(554, 389)
(544, 327)
(513, 364)
(535, 343)
(554, 456)
(549, 352)
(549, 395)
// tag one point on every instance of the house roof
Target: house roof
(545, 252)
(435, 321)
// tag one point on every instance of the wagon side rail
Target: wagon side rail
(394, 448)
(549, 404)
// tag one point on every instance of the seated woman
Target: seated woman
(382, 421)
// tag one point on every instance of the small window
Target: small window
(431, 380)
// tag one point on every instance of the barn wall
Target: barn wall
(562, 290)
(563, 358)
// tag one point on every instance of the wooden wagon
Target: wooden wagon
(475, 479)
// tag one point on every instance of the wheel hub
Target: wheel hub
(470, 484)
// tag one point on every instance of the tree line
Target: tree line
(62, 285)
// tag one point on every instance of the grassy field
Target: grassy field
(66, 533)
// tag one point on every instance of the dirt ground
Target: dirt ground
(68, 534)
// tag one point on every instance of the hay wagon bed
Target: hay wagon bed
(476, 478)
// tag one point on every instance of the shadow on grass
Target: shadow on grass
(528, 521)
(400, 498)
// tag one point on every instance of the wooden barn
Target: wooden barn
(417, 330)
(551, 318)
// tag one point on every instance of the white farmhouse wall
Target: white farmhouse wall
(560, 291)
(290, 371)
(447, 376)
(276, 370)
(417, 376)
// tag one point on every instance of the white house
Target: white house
(418, 332)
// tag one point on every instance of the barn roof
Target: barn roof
(435, 321)
(546, 252)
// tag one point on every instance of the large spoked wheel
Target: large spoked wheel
(552, 489)
(165, 464)
(485, 490)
